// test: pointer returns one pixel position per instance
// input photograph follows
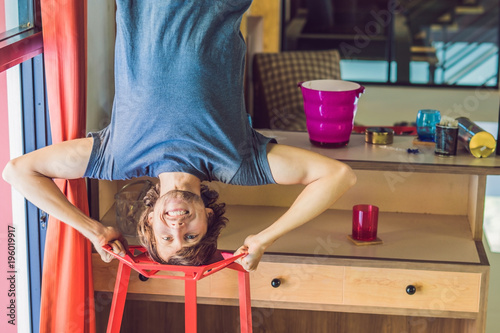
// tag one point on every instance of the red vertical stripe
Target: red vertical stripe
(67, 288)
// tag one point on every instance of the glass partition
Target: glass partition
(404, 42)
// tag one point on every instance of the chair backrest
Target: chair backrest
(278, 100)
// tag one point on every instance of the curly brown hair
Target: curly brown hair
(195, 255)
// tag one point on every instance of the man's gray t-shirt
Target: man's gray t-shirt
(179, 101)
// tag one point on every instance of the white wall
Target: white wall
(100, 48)
(22, 296)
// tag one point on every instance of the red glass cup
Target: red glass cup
(364, 222)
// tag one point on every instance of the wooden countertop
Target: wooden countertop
(404, 235)
(364, 156)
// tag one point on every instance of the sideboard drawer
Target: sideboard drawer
(434, 290)
(297, 283)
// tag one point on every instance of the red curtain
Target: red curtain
(67, 288)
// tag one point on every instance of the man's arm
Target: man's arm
(326, 181)
(32, 175)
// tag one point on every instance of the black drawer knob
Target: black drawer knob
(275, 283)
(411, 290)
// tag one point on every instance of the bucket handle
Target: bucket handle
(360, 90)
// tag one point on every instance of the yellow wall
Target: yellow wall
(270, 11)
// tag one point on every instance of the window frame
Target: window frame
(392, 47)
(18, 45)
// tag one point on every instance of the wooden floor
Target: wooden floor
(151, 317)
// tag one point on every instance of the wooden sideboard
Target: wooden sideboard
(430, 222)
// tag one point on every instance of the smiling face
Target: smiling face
(179, 220)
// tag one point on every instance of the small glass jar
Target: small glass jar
(364, 222)
(426, 124)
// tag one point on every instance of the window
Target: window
(417, 42)
(20, 31)
(17, 16)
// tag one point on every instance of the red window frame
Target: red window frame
(24, 45)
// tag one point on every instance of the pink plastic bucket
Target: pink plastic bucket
(330, 107)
